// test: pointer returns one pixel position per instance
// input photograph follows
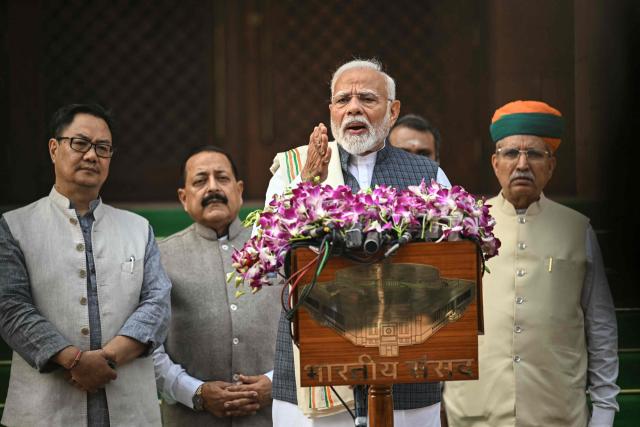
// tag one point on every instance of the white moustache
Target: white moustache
(356, 119)
(522, 175)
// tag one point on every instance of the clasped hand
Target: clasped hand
(92, 371)
(224, 399)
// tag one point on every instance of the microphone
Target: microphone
(404, 239)
(372, 242)
(353, 238)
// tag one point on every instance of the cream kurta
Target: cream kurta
(533, 356)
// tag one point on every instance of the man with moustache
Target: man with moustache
(550, 327)
(210, 369)
(416, 135)
(82, 292)
(363, 108)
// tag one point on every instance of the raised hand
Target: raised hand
(318, 155)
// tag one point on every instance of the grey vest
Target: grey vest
(213, 334)
(399, 169)
(49, 234)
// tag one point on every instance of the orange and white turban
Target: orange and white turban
(528, 118)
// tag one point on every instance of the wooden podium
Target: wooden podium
(387, 353)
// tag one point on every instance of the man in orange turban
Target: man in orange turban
(550, 327)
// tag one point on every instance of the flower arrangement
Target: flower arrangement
(421, 209)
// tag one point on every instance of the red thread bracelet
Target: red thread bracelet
(75, 360)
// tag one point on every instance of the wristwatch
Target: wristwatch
(198, 403)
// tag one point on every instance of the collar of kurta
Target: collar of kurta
(507, 208)
(66, 205)
(210, 234)
(381, 155)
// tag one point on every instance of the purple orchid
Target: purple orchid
(441, 213)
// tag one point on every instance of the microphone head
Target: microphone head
(372, 242)
(353, 238)
(405, 238)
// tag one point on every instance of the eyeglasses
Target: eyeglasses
(533, 155)
(366, 99)
(83, 145)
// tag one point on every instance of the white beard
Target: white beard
(359, 144)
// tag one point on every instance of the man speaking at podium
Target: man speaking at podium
(363, 108)
(550, 328)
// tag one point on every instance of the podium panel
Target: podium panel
(399, 332)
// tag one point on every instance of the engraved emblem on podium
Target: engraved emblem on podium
(388, 305)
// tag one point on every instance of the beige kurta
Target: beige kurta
(533, 356)
(288, 165)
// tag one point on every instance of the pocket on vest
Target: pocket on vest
(131, 275)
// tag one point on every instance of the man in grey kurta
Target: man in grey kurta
(211, 368)
(82, 292)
